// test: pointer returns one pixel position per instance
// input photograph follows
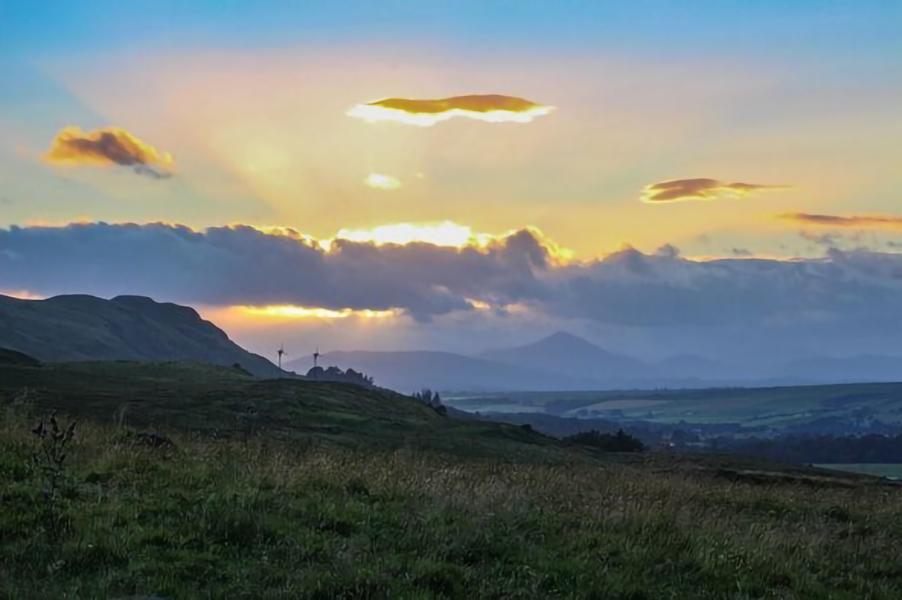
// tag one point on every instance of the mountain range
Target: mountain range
(563, 361)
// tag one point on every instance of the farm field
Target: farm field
(776, 408)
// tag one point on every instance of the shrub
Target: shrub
(618, 442)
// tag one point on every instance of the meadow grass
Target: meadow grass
(269, 519)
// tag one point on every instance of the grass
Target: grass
(223, 402)
(383, 509)
(229, 519)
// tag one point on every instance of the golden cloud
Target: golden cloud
(108, 146)
(492, 108)
(870, 221)
(678, 190)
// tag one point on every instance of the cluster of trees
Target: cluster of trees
(609, 442)
(431, 399)
(336, 374)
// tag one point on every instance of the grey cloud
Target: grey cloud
(843, 294)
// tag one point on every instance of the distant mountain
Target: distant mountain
(566, 354)
(413, 370)
(79, 327)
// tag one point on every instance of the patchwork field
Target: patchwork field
(777, 408)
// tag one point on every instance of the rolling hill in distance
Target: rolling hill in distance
(81, 327)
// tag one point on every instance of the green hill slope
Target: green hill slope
(72, 328)
(224, 401)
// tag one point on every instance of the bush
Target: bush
(618, 442)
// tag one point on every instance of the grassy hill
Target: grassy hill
(299, 489)
(226, 402)
(79, 327)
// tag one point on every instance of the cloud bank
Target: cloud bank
(492, 108)
(679, 190)
(108, 146)
(846, 294)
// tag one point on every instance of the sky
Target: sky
(663, 178)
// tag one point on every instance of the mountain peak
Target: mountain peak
(565, 337)
(563, 341)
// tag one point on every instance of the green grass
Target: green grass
(344, 492)
(229, 519)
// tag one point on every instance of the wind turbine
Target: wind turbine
(316, 357)
(280, 353)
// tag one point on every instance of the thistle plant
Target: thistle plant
(50, 461)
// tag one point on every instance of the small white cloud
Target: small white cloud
(381, 181)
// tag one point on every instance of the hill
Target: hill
(79, 327)
(11, 357)
(224, 401)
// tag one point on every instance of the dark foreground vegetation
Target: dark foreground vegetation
(198, 510)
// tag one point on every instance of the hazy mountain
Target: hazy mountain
(570, 355)
(410, 371)
(78, 327)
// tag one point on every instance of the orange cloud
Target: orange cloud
(873, 221)
(108, 146)
(492, 108)
(678, 190)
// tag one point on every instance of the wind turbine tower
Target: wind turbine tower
(280, 353)
(316, 357)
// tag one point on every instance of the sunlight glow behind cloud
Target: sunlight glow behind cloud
(491, 108)
(445, 233)
(290, 311)
(380, 181)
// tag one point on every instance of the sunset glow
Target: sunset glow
(445, 233)
(287, 311)
(380, 181)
